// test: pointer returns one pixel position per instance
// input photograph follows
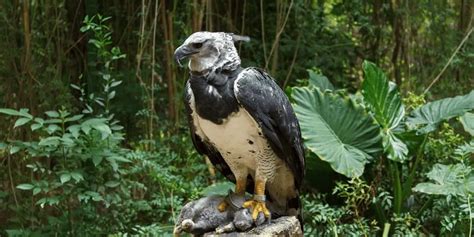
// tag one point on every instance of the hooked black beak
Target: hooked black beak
(183, 52)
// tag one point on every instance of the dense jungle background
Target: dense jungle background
(94, 139)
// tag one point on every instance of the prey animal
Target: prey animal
(244, 123)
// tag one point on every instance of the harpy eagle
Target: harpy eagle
(242, 120)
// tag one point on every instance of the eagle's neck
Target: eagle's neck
(214, 94)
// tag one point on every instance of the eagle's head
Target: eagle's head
(210, 51)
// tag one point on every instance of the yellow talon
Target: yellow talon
(222, 206)
(257, 207)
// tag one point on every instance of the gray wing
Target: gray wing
(258, 93)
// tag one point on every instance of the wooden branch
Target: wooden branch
(449, 61)
(277, 37)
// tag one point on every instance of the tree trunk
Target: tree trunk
(397, 26)
(27, 90)
(167, 24)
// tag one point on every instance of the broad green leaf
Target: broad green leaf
(320, 81)
(115, 83)
(113, 164)
(118, 158)
(50, 141)
(65, 177)
(428, 116)
(25, 186)
(63, 114)
(112, 183)
(397, 149)
(104, 129)
(97, 159)
(52, 114)
(42, 202)
(21, 112)
(35, 126)
(74, 118)
(86, 129)
(39, 120)
(97, 198)
(116, 128)
(469, 184)
(94, 195)
(52, 121)
(382, 96)
(99, 125)
(10, 112)
(67, 140)
(76, 87)
(36, 190)
(467, 121)
(24, 113)
(338, 131)
(221, 188)
(77, 176)
(411, 139)
(48, 201)
(21, 121)
(447, 181)
(14, 149)
(74, 129)
(384, 101)
(53, 128)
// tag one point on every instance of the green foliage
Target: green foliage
(442, 143)
(320, 81)
(355, 192)
(467, 121)
(448, 180)
(385, 102)
(82, 181)
(329, 118)
(427, 117)
(324, 220)
(347, 138)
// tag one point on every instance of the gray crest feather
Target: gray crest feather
(237, 38)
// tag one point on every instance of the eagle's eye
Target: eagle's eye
(197, 45)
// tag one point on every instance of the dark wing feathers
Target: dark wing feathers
(257, 92)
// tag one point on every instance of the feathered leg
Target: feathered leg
(265, 171)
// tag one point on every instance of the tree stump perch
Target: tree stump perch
(202, 218)
(283, 226)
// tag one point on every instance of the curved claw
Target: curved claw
(257, 207)
(222, 206)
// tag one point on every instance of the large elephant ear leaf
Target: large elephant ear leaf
(384, 101)
(427, 117)
(447, 180)
(338, 131)
(320, 81)
(467, 121)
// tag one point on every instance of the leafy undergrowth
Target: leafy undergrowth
(404, 165)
